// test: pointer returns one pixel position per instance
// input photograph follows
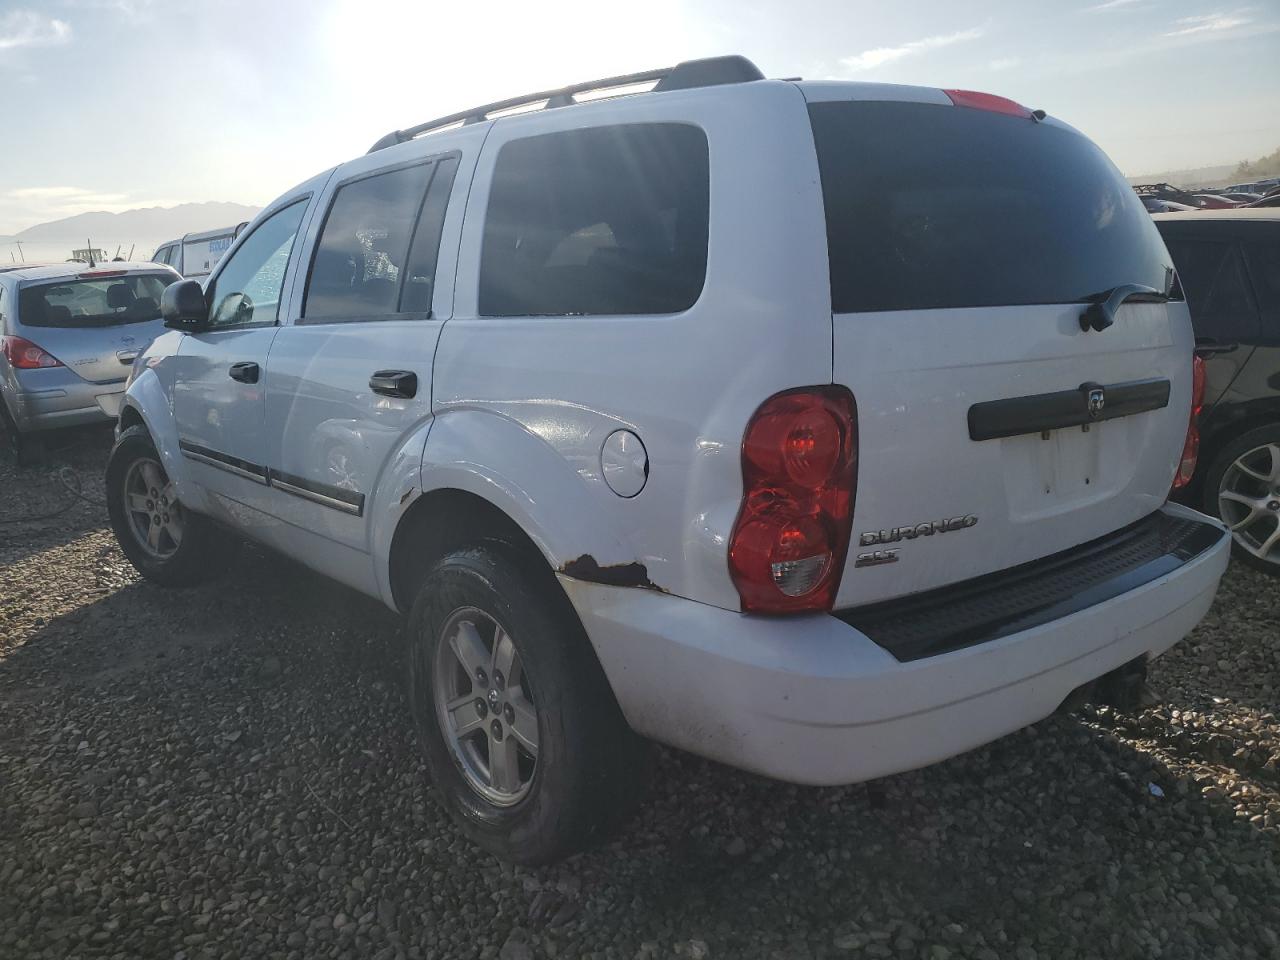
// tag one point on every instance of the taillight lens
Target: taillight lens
(799, 472)
(1191, 448)
(25, 355)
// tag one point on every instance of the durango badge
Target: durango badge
(873, 537)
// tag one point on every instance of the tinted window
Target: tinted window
(420, 273)
(937, 206)
(107, 302)
(1264, 269)
(1213, 277)
(609, 220)
(247, 290)
(364, 245)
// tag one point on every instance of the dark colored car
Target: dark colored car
(1229, 264)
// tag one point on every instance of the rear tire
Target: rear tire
(27, 450)
(584, 777)
(1242, 487)
(167, 543)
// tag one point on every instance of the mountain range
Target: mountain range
(148, 223)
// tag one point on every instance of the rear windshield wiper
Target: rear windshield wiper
(1101, 312)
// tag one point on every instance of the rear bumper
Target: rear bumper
(66, 404)
(813, 700)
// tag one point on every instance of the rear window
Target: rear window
(607, 220)
(933, 206)
(105, 302)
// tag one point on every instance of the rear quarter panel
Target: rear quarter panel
(686, 384)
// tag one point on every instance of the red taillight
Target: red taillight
(799, 471)
(100, 274)
(25, 355)
(1191, 448)
(987, 101)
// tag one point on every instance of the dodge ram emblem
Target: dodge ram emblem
(1097, 402)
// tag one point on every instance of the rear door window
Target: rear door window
(606, 220)
(1212, 274)
(932, 206)
(360, 258)
(101, 302)
(1263, 260)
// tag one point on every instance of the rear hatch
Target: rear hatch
(96, 322)
(964, 246)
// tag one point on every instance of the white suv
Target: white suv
(822, 429)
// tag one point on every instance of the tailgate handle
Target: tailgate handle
(1102, 314)
(402, 384)
(246, 371)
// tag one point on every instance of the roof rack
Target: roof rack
(709, 72)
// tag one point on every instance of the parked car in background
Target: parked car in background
(1240, 197)
(822, 429)
(1213, 201)
(70, 335)
(1229, 265)
(196, 254)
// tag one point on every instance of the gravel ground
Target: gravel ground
(227, 772)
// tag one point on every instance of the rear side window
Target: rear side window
(1212, 274)
(1264, 267)
(607, 220)
(379, 245)
(105, 302)
(932, 206)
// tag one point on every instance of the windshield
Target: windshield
(100, 302)
(933, 206)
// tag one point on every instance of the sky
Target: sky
(116, 104)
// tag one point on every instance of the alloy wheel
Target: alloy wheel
(484, 706)
(152, 508)
(1249, 501)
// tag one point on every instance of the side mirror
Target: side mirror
(183, 306)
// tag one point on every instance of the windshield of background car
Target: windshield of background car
(99, 302)
(932, 206)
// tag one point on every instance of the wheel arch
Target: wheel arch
(443, 520)
(145, 404)
(1264, 412)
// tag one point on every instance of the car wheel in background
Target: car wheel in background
(25, 449)
(1242, 486)
(525, 743)
(167, 543)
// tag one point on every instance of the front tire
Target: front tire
(526, 745)
(1242, 487)
(167, 543)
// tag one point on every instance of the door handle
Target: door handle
(394, 383)
(246, 371)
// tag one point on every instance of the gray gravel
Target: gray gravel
(227, 772)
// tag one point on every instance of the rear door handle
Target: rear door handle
(246, 371)
(394, 383)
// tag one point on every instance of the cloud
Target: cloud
(130, 8)
(1208, 23)
(46, 193)
(869, 59)
(1110, 5)
(26, 28)
(1004, 63)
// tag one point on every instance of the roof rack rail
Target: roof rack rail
(709, 72)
